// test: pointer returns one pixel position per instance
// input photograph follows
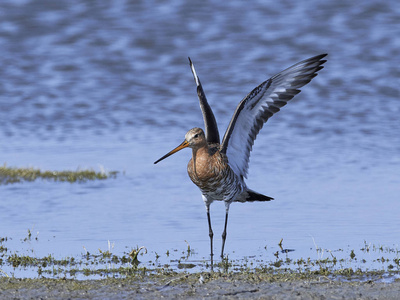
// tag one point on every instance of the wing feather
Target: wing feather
(261, 104)
(210, 124)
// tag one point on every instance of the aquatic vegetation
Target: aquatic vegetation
(345, 265)
(133, 254)
(10, 175)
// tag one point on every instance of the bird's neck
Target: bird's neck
(203, 151)
(200, 156)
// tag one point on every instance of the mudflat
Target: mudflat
(199, 286)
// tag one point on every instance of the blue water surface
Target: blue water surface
(107, 85)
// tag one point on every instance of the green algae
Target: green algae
(10, 175)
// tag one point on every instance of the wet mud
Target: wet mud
(199, 286)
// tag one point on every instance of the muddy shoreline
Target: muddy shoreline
(199, 286)
(104, 275)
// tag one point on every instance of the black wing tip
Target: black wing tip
(314, 59)
(320, 56)
(190, 61)
(321, 62)
(309, 64)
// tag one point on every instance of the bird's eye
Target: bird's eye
(196, 136)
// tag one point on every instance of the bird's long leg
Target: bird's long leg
(210, 232)
(224, 233)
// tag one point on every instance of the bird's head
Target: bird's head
(194, 138)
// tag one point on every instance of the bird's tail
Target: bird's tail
(254, 196)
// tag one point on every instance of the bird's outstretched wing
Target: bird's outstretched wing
(212, 134)
(261, 104)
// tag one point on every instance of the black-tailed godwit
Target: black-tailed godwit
(219, 169)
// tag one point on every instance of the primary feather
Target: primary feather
(261, 104)
(210, 124)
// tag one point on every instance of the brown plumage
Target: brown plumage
(207, 166)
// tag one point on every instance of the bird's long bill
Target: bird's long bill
(180, 147)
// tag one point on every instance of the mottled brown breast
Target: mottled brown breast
(207, 168)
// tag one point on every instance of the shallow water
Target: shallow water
(88, 85)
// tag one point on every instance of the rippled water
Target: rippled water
(107, 85)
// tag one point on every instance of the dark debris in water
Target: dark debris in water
(16, 175)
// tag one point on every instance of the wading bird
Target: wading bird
(219, 169)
